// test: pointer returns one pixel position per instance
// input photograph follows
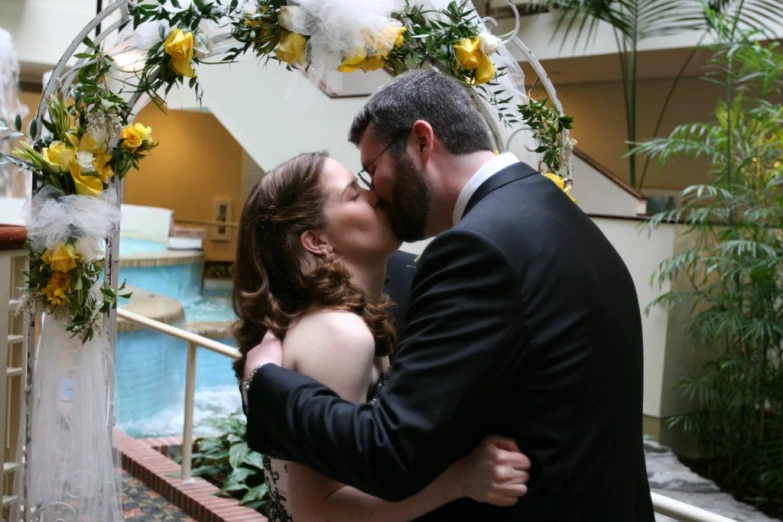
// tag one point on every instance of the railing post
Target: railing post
(190, 391)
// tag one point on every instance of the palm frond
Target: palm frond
(760, 15)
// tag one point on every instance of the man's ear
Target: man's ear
(315, 242)
(424, 138)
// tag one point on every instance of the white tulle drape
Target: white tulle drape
(73, 472)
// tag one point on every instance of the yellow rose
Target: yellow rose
(132, 138)
(60, 257)
(102, 167)
(394, 35)
(467, 52)
(58, 156)
(86, 184)
(470, 56)
(179, 45)
(486, 70)
(145, 132)
(353, 62)
(371, 63)
(292, 49)
(55, 290)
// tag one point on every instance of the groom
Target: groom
(523, 321)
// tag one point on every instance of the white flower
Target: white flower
(89, 249)
(85, 159)
(488, 43)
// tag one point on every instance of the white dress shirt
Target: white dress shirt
(486, 171)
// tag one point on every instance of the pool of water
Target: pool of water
(179, 279)
(209, 306)
(151, 374)
(130, 246)
(151, 384)
(151, 366)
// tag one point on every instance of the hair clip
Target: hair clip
(268, 216)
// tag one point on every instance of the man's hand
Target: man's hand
(270, 351)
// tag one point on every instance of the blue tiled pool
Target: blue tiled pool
(131, 246)
(150, 366)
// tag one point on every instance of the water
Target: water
(210, 403)
(151, 365)
(210, 305)
(130, 246)
(180, 282)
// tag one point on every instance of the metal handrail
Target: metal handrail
(661, 504)
(194, 341)
(683, 511)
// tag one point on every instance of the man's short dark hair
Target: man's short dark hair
(423, 95)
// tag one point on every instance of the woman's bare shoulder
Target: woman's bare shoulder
(325, 333)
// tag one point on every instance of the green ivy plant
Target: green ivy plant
(228, 462)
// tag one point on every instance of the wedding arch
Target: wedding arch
(84, 140)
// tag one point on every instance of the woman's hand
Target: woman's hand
(495, 472)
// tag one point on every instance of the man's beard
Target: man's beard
(410, 201)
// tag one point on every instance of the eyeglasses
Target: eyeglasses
(365, 177)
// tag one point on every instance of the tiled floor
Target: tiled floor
(139, 503)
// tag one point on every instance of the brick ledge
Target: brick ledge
(147, 461)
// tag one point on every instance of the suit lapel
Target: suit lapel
(510, 174)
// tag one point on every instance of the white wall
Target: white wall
(597, 194)
(642, 253)
(42, 29)
(275, 114)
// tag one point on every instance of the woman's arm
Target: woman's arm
(337, 349)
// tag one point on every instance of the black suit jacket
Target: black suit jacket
(399, 279)
(523, 322)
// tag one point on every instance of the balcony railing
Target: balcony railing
(13, 354)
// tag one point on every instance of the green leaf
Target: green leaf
(255, 459)
(89, 43)
(255, 493)
(237, 454)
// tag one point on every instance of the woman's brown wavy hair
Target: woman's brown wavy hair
(275, 279)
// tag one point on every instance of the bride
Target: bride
(310, 266)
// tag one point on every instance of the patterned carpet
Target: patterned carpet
(139, 503)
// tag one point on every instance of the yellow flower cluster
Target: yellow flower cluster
(374, 54)
(179, 45)
(560, 182)
(134, 136)
(56, 290)
(61, 258)
(86, 159)
(470, 56)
